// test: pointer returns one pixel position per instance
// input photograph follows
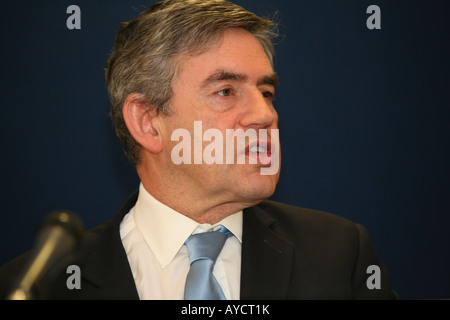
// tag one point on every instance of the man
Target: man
(206, 66)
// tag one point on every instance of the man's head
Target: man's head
(186, 62)
(147, 51)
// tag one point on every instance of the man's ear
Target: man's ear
(141, 120)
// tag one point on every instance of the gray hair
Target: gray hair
(144, 57)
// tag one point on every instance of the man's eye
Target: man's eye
(268, 94)
(225, 92)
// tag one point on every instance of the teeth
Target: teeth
(256, 149)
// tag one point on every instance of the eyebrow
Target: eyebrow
(270, 80)
(222, 75)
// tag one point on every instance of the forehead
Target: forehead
(238, 51)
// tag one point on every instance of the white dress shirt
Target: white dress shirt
(153, 236)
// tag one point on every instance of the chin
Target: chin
(258, 190)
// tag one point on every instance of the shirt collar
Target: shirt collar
(165, 230)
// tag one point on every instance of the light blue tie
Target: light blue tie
(203, 250)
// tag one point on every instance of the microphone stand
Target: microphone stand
(59, 235)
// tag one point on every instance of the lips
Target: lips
(259, 147)
(259, 151)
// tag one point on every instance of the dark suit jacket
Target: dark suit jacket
(287, 253)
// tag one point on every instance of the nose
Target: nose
(258, 111)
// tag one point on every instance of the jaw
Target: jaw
(206, 192)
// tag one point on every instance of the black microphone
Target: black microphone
(58, 236)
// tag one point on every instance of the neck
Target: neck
(198, 208)
(195, 201)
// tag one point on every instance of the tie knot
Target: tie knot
(206, 245)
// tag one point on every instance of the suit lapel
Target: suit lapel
(267, 257)
(106, 270)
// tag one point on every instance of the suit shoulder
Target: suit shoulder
(302, 224)
(286, 213)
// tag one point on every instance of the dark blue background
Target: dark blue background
(364, 123)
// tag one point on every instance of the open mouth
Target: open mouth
(257, 149)
(259, 152)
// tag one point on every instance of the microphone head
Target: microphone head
(65, 219)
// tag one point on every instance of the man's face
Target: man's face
(230, 86)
